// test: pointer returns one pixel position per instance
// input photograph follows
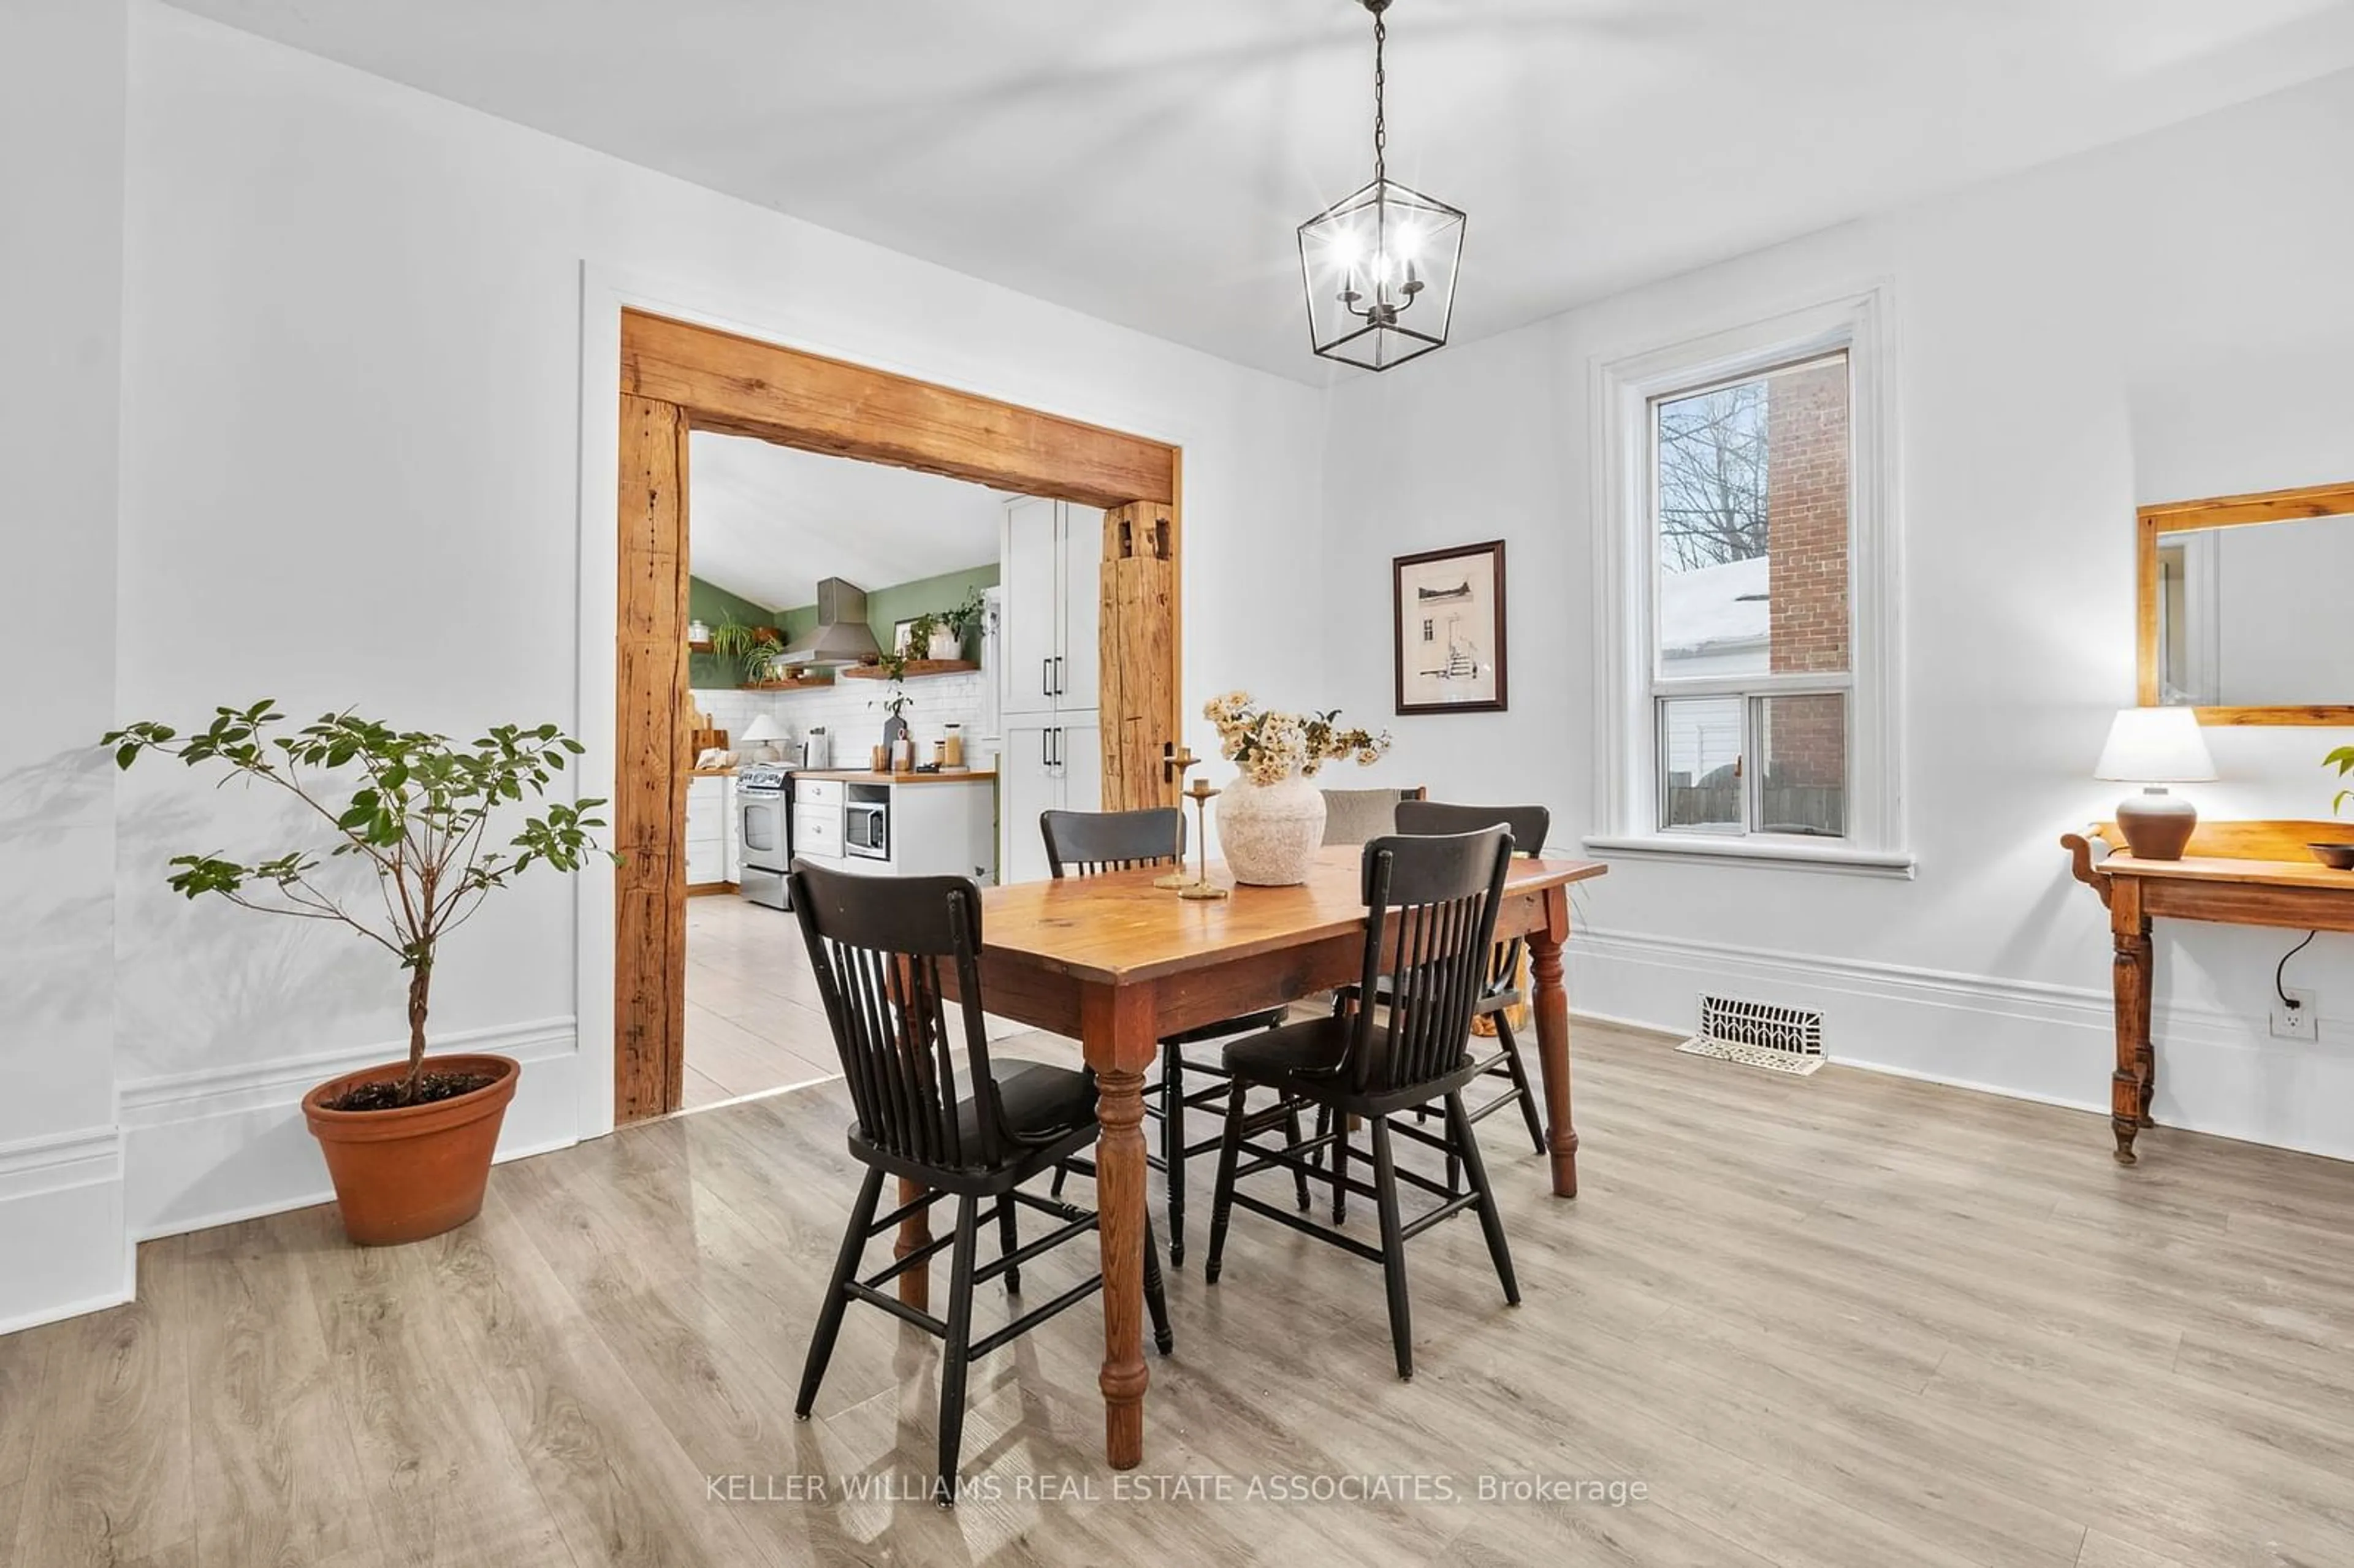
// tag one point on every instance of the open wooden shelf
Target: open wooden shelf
(917, 669)
(809, 683)
(768, 636)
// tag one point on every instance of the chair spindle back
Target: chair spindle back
(879, 945)
(1090, 843)
(1431, 927)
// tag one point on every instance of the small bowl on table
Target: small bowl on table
(2338, 857)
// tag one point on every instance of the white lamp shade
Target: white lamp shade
(762, 727)
(2155, 746)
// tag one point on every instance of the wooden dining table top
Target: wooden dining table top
(1118, 928)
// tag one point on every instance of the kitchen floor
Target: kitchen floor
(754, 1020)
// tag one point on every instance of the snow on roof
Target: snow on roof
(1715, 607)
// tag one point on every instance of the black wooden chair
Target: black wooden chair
(1088, 843)
(1529, 826)
(879, 945)
(1432, 904)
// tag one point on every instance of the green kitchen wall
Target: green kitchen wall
(711, 604)
(885, 608)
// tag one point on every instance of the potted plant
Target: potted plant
(964, 621)
(926, 635)
(1271, 820)
(409, 1143)
(753, 650)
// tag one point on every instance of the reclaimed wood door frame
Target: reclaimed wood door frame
(677, 376)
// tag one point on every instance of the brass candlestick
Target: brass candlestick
(1203, 887)
(1174, 762)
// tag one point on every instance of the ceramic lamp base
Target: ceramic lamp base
(2157, 825)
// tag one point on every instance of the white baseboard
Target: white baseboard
(2022, 1039)
(62, 1229)
(226, 1144)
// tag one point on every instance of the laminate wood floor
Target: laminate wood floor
(1846, 1321)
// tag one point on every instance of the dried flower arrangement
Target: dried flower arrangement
(1270, 746)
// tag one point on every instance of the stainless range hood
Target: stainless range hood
(842, 636)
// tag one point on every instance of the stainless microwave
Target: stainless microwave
(866, 829)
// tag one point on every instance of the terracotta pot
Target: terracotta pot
(406, 1174)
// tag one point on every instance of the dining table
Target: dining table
(1119, 963)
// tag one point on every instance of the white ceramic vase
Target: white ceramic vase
(1269, 833)
(944, 644)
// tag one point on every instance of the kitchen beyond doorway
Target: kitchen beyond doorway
(678, 378)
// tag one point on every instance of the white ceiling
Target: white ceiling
(766, 522)
(1147, 162)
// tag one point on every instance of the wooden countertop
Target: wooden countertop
(710, 773)
(867, 776)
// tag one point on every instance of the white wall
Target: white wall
(2070, 342)
(61, 159)
(351, 429)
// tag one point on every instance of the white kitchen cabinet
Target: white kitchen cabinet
(712, 855)
(1051, 584)
(1051, 763)
(817, 819)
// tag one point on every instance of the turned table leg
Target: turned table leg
(915, 1234)
(2135, 1078)
(1551, 1007)
(1117, 1025)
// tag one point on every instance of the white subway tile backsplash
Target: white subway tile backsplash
(851, 712)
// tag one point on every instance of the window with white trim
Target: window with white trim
(1750, 625)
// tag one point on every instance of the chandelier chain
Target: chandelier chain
(1381, 126)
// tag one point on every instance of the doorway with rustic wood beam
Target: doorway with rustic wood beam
(678, 377)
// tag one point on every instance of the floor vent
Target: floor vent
(1758, 1034)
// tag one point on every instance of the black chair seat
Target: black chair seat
(1037, 1102)
(1312, 1048)
(1304, 1060)
(1045, 1115)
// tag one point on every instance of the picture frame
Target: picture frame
(899, 631)
(1448, 630)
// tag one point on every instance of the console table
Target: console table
(2239, 873)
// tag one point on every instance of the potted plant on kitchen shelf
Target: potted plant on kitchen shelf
(1271, 819)
(926, 634)
(409, 1143)
(964, 621)
(752, 649)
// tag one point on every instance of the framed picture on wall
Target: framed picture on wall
(901, 630)
(1450, 630)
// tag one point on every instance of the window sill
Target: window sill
(1785, 853)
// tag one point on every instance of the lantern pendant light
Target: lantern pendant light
(1379, 266)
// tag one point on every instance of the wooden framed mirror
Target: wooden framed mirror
(2242, 606)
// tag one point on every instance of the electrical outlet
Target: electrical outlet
(2300, 1021)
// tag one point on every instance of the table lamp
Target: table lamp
(2154, 747)
(763, 730)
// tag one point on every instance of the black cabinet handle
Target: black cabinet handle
(1047, 676)
(1059, 687)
